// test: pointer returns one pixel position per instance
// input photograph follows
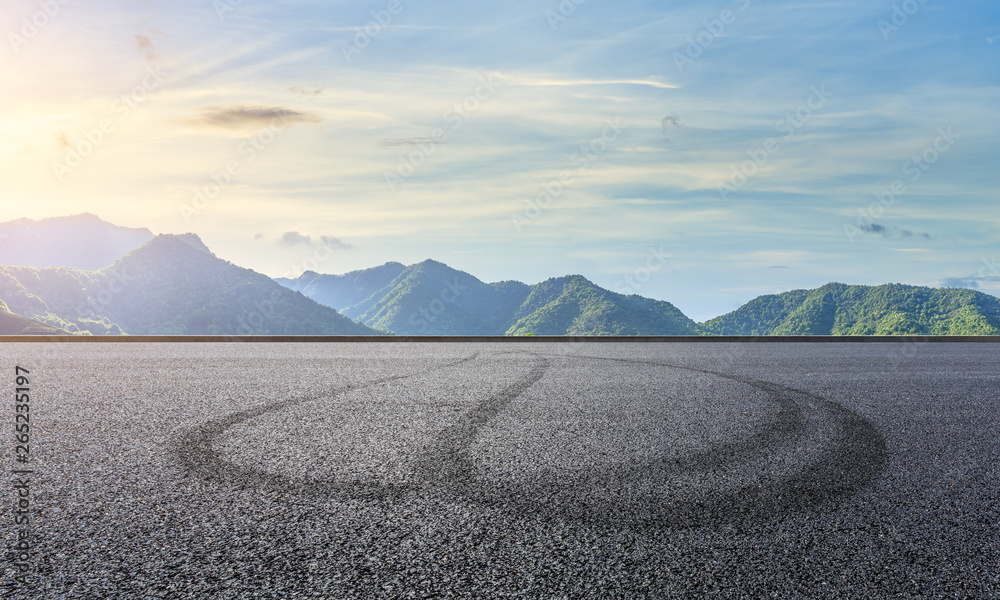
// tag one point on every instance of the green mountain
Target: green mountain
(839, 309)
(11, 324)
(573, 305)
(171, 285)
(80, 274)
(341, 291)
(431, 298)
(81, 241)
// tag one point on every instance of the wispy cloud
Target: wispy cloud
(890, 232)
(669, 123)
(239, 117)
(413, 141)
(145, 46)
(226, 81)
(294, 238)
(960, 282)
(983, 282)
(549, 81)
(306, 92)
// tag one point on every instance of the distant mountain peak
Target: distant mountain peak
(172, 284)
(80, 241)
(431, 297)
(172, 245)
(431, 263)
(194, 241)
(568, 279)
(85, 216)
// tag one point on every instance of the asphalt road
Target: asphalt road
(486, 470)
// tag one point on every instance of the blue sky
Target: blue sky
(700, 153)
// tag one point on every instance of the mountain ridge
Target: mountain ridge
(431, 298)
(82, 241)
(842, 309)
(174, 284)
(171, 285)
(572, 305)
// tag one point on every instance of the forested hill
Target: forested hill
(839, 309)
(431, 298)
(573, 305)
(11, 324)
(84, 275)
(172, 285)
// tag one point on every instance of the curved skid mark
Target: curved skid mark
(445, 464)
(854, 459)
(197, 455)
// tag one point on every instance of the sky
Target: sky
(702, 153)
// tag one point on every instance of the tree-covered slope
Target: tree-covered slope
(341, 291)
(839, 309)
(573, 305)
(11, 324)
(431, 298)
(169, 286)
(58, 296)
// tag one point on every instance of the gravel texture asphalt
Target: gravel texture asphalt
(486, 470)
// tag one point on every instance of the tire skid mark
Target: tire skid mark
(446, 463)
(853, 459)
(196, 454)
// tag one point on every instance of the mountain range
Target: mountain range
(431, 298)
(81, 241)
(173, 284)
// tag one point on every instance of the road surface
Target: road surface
(500, 470)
